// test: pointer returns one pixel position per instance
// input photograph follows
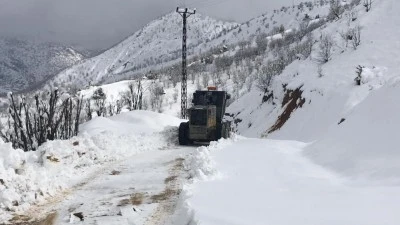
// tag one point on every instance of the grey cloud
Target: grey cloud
(101, 23)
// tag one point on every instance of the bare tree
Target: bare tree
(262, 43)
(89, 109)
(351, 16)
(223, 63)
(267, 72)
(368, 5)
(120, 105)
(236, 82)
(205, 80)
(32, 122)
(335, 9)
(320, 71)
(352, 35)
(249, 83)
(175, 95)
(156, 96)
(359, 71)
(346, 38)
(325, 48)
(198, 85)
(134, 96)
(355, 2)
(355, 34)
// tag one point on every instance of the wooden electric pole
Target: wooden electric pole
(185, 13)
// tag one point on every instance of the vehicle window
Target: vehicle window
(198, 117)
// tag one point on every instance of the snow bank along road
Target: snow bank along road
(127, 169)
(256, 181)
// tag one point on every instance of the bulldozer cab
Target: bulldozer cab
(215, 98)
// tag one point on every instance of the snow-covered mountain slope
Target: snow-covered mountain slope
(289, 17)
(25, 64)
(157, 43)
(353, 126)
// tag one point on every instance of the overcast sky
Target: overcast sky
(99, 24)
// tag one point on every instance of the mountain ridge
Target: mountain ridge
(25, 64)
(156, 43)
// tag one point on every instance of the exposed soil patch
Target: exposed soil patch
(135, 199)
(163, 196)
(24, 220)
(178, 164)
(170, 179)
(291, 101)
(167, 199)
(52, 158)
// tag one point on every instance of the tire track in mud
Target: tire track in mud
(168, 199)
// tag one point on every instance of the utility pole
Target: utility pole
(185, 13)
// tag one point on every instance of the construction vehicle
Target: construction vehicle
(206, 118)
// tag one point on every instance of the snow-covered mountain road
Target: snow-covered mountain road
(127, 169)
(142, 189)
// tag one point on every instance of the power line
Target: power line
(206, 3)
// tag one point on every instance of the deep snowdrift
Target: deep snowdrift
(366, 143)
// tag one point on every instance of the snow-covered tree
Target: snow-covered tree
(99, 98)
(133, 98)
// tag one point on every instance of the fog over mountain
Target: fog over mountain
(98, 24)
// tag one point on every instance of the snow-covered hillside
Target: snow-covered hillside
(158, 45)
(290, 17)
(155, 45)
(26, 64)
(353, 126)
